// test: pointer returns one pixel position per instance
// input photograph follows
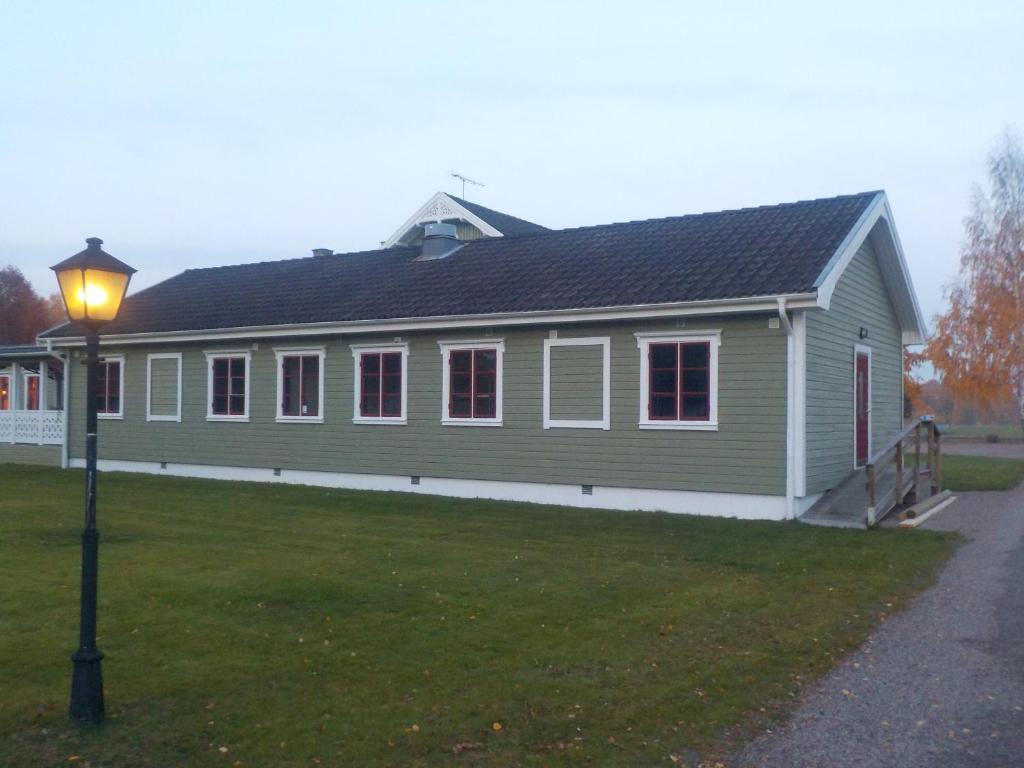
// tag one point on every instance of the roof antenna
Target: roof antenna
(464, 180)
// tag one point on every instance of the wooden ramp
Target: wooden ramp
(906, 471)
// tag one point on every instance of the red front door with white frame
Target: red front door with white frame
(862, 406)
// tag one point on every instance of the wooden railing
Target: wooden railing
(884, 489)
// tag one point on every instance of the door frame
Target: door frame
(861, 349)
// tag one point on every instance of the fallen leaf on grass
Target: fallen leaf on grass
(496, 726)
(464, 746)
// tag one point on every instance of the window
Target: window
(380, 383)
(110, 388)
(53, 394)
(227, 386)
(679, 381)
(5, 392)
(163, 386)
(300, 384)
(472, 386)
(30, 401)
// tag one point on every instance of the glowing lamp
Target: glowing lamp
(93, 284)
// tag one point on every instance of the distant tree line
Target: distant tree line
(977, 347)
(23, 312)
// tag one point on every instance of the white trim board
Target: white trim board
(150, 416)
(605, 422)
(877, 223)
(736, 505)
(755, 304)
(440, 207)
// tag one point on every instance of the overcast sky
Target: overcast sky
(200, 133)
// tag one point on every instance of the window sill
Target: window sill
(110, 416)
(299, 419)
(471, 422)
(570, 424)
(163, 418)
(243, 419)
(704, 426)
(392, 420)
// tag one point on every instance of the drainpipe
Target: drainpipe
(784, 318)
(787, 327)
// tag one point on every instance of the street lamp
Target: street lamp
(92, 284)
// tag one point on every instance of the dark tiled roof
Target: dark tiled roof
(509, 226)
(764, 251)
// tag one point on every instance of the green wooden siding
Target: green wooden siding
(48, 455)
(746, 454)
(163, 383)
(577, 382)
(860, 300)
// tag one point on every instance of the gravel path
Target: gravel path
(1004, 450)
(940, 684)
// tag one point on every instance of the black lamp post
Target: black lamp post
(92, 284)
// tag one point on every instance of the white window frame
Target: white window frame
(361, 349)
(279, 354)
(714, 340)
(498, 345)
(605, 421)
(212, 355)
(150, 416)
(120, 388)
(8, 373)
(866, 350)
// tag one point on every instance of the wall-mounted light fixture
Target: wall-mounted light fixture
(863, 332)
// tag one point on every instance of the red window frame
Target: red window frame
(308, 378)
(5, 392)
(478, 400)
(228, 396)
(380, 389)
(108, 388)
(680, 392)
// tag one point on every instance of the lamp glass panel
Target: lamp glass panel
(103, 292)
(70, 281)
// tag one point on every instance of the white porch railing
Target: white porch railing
(32, 427)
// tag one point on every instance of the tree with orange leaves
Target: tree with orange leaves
(978, 344)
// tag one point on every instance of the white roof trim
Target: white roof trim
(439, 208)
(877, 223)
(767, 304)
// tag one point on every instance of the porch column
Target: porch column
(43, 374)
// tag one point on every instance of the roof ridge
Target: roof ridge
(291, 260)
(723, 212)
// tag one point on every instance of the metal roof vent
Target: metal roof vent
(439, 240)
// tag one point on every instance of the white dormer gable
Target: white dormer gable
(439, 208)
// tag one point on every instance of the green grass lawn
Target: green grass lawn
(266, 625)
(980, 473)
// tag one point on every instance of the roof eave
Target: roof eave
(575, 315)
(892, 262)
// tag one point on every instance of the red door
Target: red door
(862, 402)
